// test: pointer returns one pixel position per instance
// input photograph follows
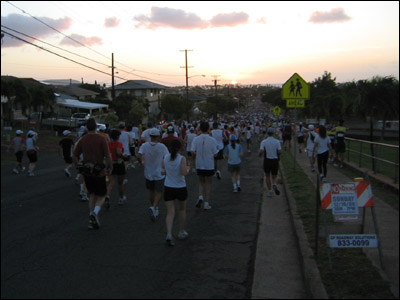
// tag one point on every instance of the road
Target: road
(48, 252)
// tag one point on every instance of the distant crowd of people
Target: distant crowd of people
(168, 152)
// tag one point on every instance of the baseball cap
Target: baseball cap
(311, 127)
(66, 132)
(30, 132)
(154, 132)
(121, 125)
(170, 129)
(19, 132)
(233, 137)
(102, 127)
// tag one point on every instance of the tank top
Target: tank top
(174, 177)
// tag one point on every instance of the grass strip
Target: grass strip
(353, 276)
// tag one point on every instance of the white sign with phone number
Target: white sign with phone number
(353, 241)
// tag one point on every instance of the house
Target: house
(79, 93)
(150, 91)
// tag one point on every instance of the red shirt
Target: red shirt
(113, 146)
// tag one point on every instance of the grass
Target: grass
(386, 153)
(353, 276)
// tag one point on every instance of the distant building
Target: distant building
(150, 91)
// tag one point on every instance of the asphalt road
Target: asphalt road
(48, 252)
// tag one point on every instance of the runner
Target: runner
(310, 138)
(322, 146)
(205, 148)
(340, 147)
(66, 146)
(31, 151)
(234, 152)
(18, 143)
(94, 149)
(188, 140)
(119, 171)
(175, 168)
(300, 137)
(217, 134)
(150, 156)
(271, 149)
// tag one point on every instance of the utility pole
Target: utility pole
(112, 77)
(215, 83)
(187, 83)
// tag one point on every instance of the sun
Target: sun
(234, 82)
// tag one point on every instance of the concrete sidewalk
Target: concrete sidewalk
(387, 220)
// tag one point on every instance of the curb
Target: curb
(313, 282)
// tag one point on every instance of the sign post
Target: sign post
(295, 90)
(344, 199)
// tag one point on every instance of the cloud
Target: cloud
(335, 15)
(169, 17)
(87, 41)
(230, 19)
(164, 17)
(32, 27)
(262, 20)
(111, 22)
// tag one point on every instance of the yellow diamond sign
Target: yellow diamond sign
(277, 111)
(296, 88)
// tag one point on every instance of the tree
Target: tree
(174, 106)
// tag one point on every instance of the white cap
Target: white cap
(19, 131)
(30, 132)
(66, 132)
(154, 132)
(311, 127)
(102, 127)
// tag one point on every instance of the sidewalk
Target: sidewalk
(388, 226)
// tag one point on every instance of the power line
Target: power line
(86, 66)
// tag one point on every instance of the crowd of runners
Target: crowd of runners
(169, 151)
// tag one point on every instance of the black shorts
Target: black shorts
(340, 148)
(118, 169)
(132, 151)
(220, 155)
(68, 159)
(271, 166)
(205, 173)
(96, 185)
(32, 155)
(155, 185)
(300, 139)
(171, 194)
(233, 168)
(288, 137)
(19, 156)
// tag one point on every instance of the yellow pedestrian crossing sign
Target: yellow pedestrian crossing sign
(296, 88)
(294, 103)
(277, 111)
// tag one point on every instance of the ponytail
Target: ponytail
(175, 147)
(233, 144)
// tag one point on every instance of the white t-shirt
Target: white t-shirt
(271, 146)
(217, 134)
(153, 154)
(205, 147)
(174, 178)
(310, 143)
(190, 137)
(124, 139)
(323, 144)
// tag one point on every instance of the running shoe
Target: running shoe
(312, 169)
(183, 235)
(219, 175)
(107, 202)
(122, 200)
(125, 181)
(206, 206)
(199, 202)
(23, 169)
(235, 190)
(156, 213)
(239, 188)
(90, 226)
(15, 171)
(270, 193)
(84, 196)
(67, 173)
(277, 192)
(170, 240)
(95, 220)
(152, 213)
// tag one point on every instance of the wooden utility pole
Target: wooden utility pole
(215, 83)
(187, 84)
(112, 77)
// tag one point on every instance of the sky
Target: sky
(239, 42)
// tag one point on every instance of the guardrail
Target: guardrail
(374, 162)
